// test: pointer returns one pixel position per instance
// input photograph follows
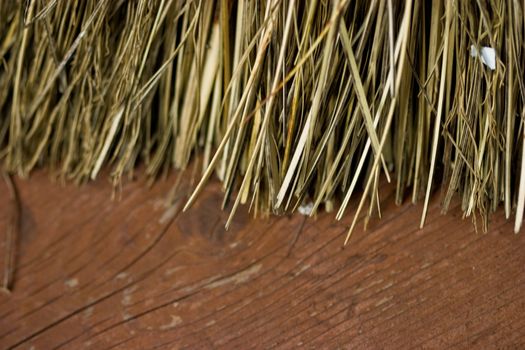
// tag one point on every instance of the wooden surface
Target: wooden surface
(135, 274)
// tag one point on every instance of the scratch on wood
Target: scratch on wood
(168, 214)
(172, 270)
(121, 276)
(175, 321)
(302, 269)
(126, 300)
(71, 282)
(383, 300)
(89, 312)
(126, 294)
(237, 278)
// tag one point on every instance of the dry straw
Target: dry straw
(284, 101)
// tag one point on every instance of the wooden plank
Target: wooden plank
(134, 274)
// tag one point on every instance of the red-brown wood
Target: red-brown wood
(135, 273)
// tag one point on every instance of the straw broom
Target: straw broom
(287, 102)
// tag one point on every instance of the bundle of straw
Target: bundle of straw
(285, 101)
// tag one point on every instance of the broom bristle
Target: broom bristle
(285, 101)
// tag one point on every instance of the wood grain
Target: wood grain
(135, 273)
